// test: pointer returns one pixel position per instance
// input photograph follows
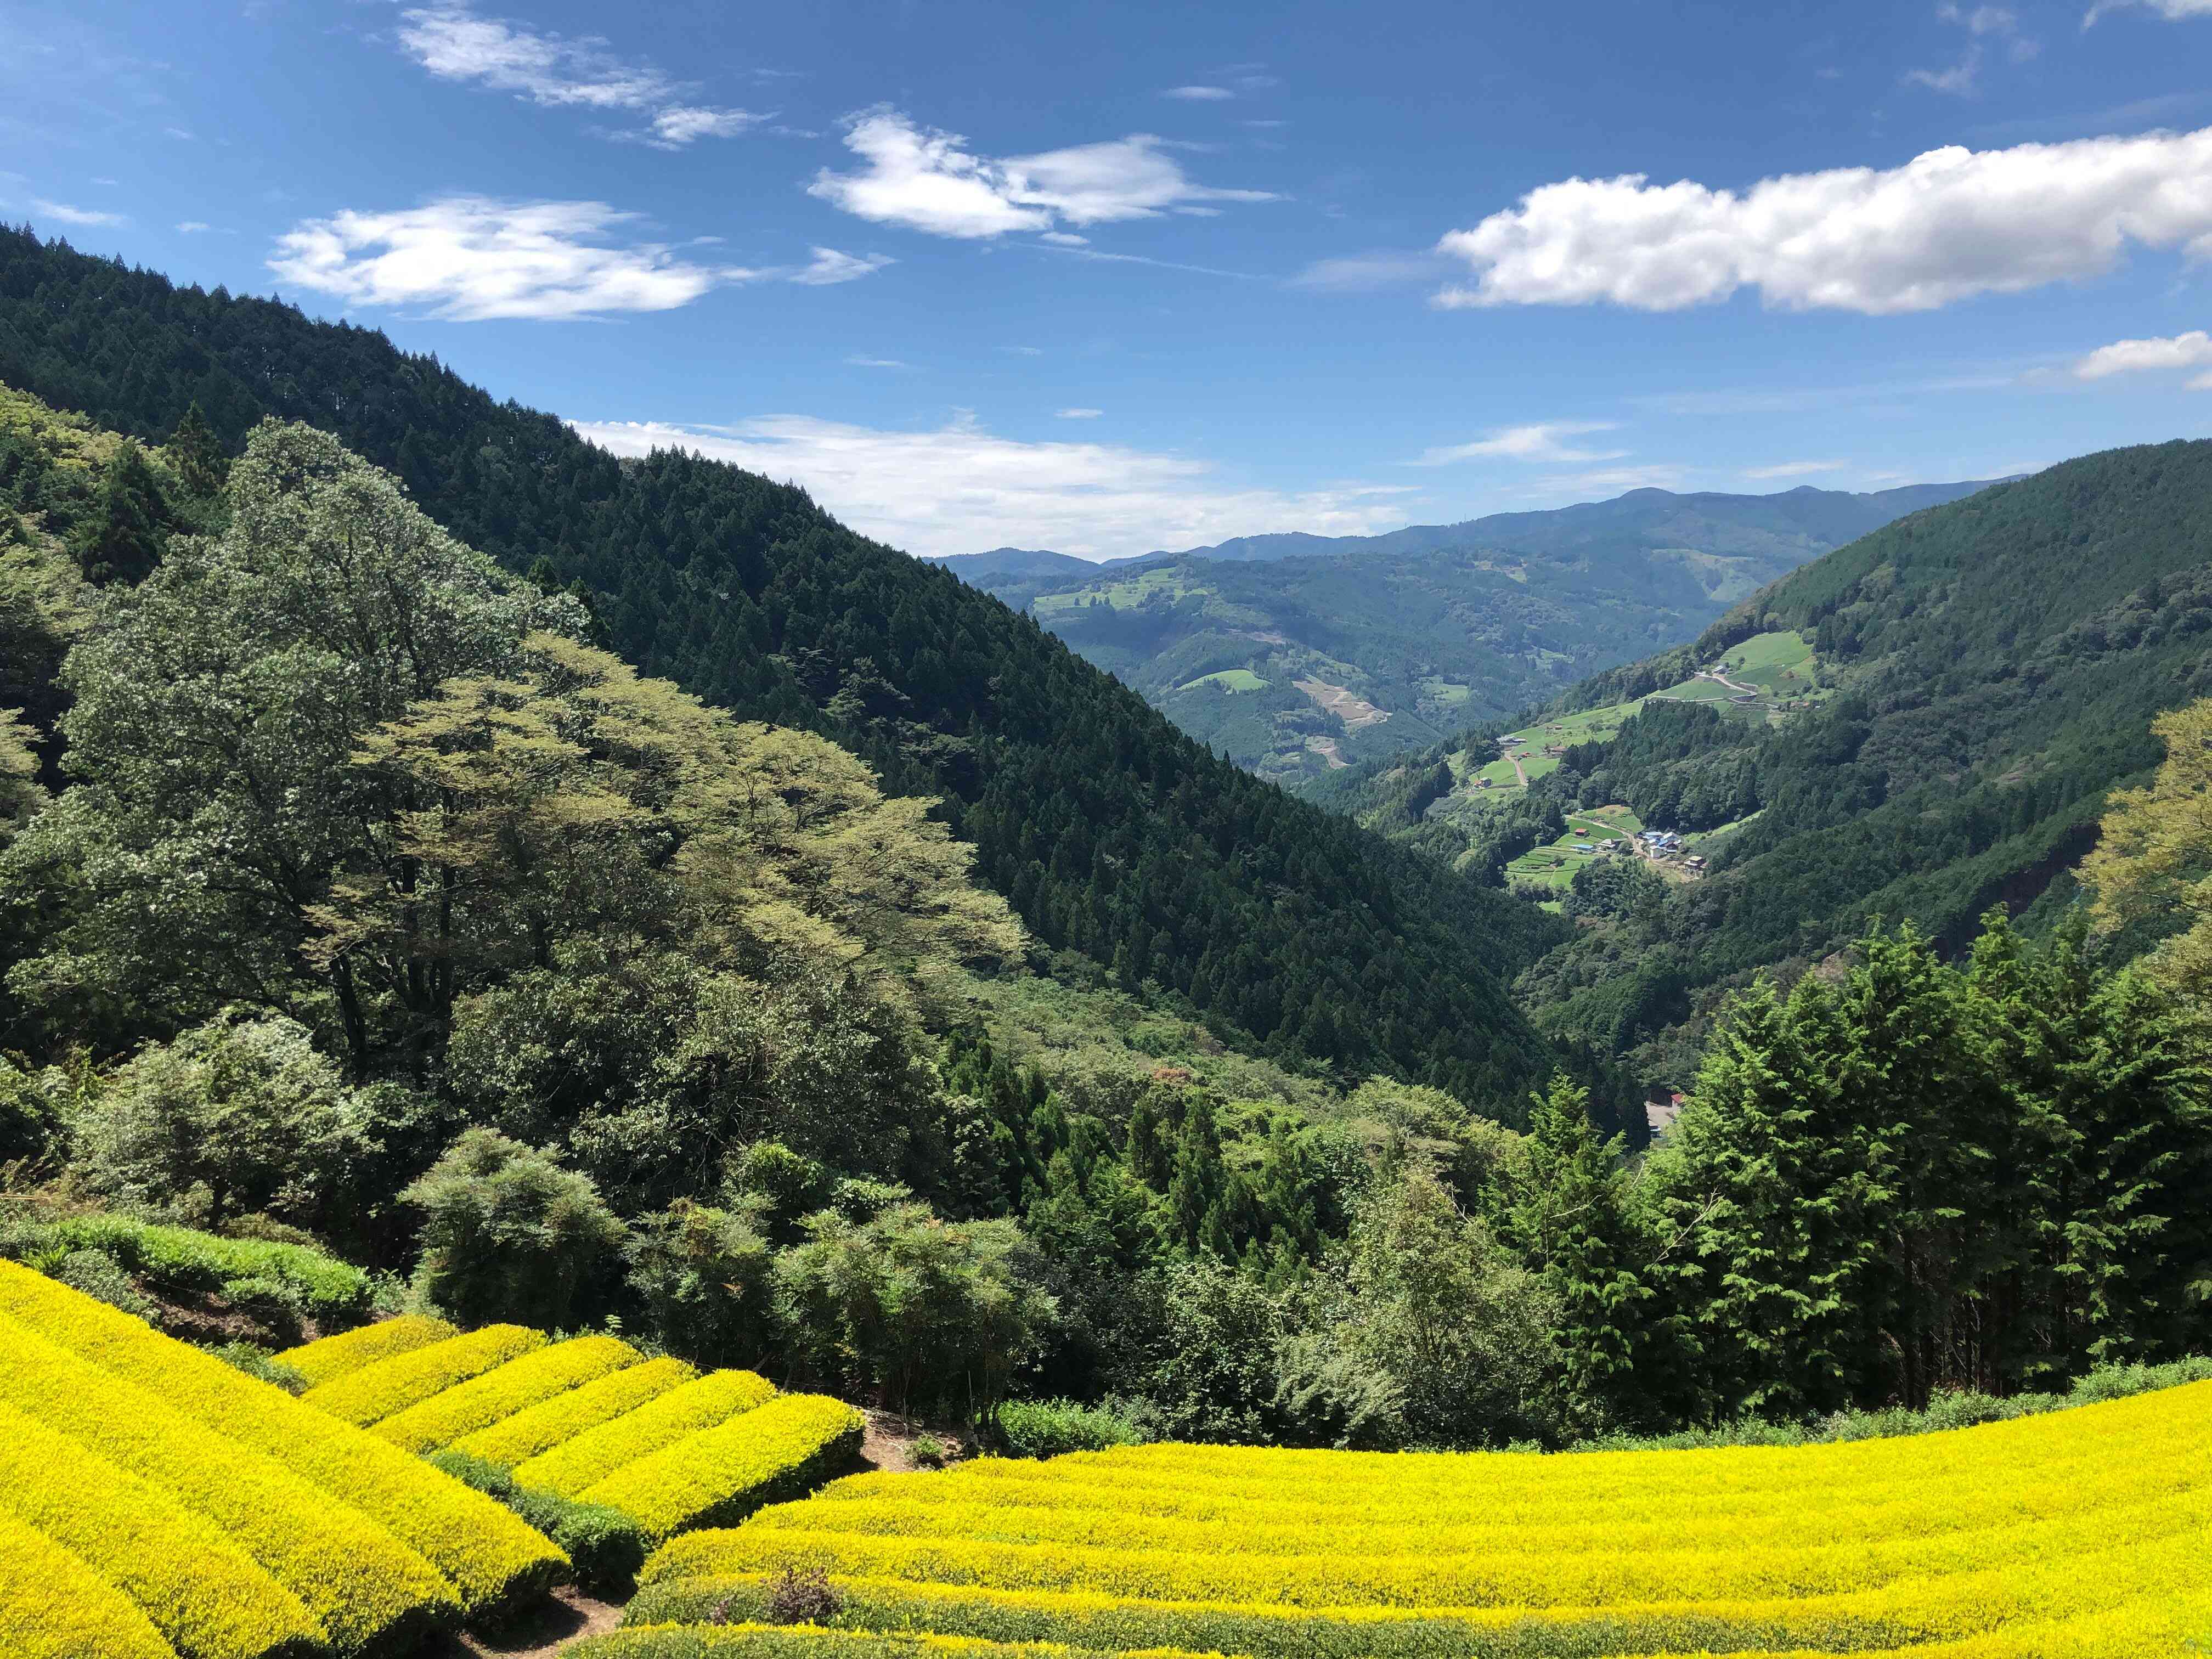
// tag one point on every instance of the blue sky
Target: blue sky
(1108, 278)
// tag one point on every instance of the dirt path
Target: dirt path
(1716, 674)
(1519, 770)
(566, 1618)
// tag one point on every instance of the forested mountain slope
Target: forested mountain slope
(1987, 671)
(1299, 655)
(1113, 834)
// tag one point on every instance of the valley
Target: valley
(1298, 656)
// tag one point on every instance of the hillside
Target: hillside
(1300, 656)
(1114, 835)
(1968, 684)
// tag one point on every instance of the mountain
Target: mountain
(1920, 725)
(1658, 518)
(1016, 574)
(1298, 655)
(1115, 836)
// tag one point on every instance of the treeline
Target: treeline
(1113, 836)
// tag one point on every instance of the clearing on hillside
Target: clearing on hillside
(1355, 711)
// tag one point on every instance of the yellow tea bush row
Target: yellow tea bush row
(498, 1394)
(1919, 1609)
(330, 1357)
(484, 1550)
(1694, 1495)
(557, 1421)
(2160, 1631)
(1533, 1579)
(808, 1642)
(1885, 1513)
(1088, 1619)
(720, 1474)
(1502, 1486)
(208, 1598)
(571, 1468)
(363, 1584)
(52, 1606)
(391, 1386)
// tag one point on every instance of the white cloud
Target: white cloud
(960, 489)
(77, 215)
(1537, 442)
(923, 179)
(829, 267)
(470, 257)
(1081, 414)
(1961, 80)
(1065, 239)
(2190, 351)
(1794, 469)
(2173, 10)
(1361, 273)
(193, 227)
(1982, 19)
(454, 44)
(1199, 95)
(876, 362)
(681, 124)
(1947, 225)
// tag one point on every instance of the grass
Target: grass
(1229, 679)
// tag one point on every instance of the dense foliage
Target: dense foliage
(1113, 836)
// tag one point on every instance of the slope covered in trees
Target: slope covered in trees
(1989, 670)
(1112, 834)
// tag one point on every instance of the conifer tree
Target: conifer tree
(1574, 1227)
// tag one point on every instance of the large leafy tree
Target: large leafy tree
(217, 705)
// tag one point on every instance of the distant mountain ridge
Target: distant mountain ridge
(1299, 655)
(1834, 515)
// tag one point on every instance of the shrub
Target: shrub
(391, 1386)
(178, 1261)
(509, 1234)
(555, 1422)
(257, 1361)
(100, 1276)
(605, 1546)
(707, 1280)
(579, 1464)
(802, 1595)
(498, 1394)
(934, 1314)
(236, 1115)
(333, 1357)
(721, 1475)
(1046, 1428)
(486, 1552)
(931, 1453)
(52, 1606)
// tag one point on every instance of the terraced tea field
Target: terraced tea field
(2077, 1535)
